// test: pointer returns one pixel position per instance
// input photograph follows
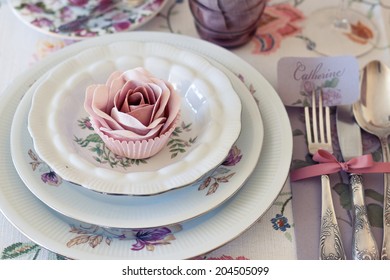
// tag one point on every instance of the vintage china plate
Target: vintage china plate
(210, 120)
(47, 16)
(55, 232)
(146, 211)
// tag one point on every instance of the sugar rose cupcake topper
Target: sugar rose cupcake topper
(133, 112)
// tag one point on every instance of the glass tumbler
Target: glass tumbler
(228, 23)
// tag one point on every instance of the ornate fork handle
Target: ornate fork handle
(364, 246)
(331, 246)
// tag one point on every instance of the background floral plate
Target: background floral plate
(139, 211)
(210, 120)
(47, 15)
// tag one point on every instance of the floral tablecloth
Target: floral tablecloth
(290, 228)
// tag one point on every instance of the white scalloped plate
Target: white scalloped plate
(139, 212)
(210, 120)
(212, 230)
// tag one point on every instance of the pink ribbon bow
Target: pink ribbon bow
(328, 164)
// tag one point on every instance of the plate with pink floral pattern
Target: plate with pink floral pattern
(108, 16)
(209, 125)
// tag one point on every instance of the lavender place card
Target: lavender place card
(338, 77)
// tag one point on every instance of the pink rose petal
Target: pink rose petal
(131, 123)
(96, 96)
(127, 135)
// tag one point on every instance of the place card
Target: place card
(337, 77)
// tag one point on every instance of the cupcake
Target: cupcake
(134, 112)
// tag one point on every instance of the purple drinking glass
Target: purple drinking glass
(228, 23)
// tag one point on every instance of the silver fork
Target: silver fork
(331, 247)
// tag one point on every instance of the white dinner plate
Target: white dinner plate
(209, 125)
(146, 211)
(197, 236)
(47, 16)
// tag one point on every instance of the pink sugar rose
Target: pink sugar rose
(134, 112)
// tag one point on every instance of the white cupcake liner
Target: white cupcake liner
(136, 149)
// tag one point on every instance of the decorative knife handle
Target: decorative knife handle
(364, 246)
(385, 254)
(331, 246)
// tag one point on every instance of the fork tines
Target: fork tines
(324, 140)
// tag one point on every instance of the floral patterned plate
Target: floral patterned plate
(49, 229)
(138, 211)
(210, 120)
(48, 15)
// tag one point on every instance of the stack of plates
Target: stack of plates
(66, 191)
(210, 120)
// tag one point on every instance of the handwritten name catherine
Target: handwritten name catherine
(316, 73)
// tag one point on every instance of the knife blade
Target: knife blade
(349, 135)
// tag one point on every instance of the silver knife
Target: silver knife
(364, 246)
